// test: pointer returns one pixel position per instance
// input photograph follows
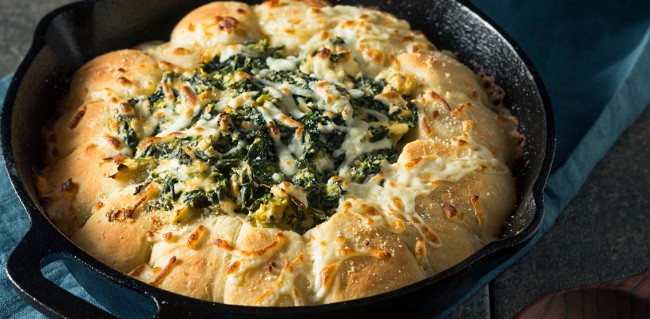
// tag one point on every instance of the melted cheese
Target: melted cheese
(288, 64)
(335, 46)
(409, 180)
(327, 257)
(285, 284)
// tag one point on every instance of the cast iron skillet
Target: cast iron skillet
(71, 35)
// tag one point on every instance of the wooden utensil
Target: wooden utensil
(623, 298)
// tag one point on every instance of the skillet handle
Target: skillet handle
(24, 269)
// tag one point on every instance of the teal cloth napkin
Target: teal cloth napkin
(594, 58)
(13, 225)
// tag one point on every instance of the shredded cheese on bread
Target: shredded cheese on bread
(284, 154)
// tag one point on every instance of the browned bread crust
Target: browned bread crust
(448, 194)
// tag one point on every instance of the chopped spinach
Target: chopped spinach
(159, 95)
(369, 164)
(377, 133)
(127, 132)
(255, 60)
(295, 78)
(262, 158)
(238, 163)
(196, 199)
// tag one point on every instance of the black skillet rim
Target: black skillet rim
(39, 221)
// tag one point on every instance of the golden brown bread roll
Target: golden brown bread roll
(374, 37)
(197, 270)
(116, 232)
(291, 153)
(217, 23)
(452, 98)
(354, 258)
(111, 76)
(72, 186)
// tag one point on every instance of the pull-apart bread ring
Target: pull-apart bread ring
(290, 153)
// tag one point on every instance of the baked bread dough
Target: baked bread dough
(289, 153)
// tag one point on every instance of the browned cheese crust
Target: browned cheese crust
(458, 163)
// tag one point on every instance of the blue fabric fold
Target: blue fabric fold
(593, 108)
(594, 59)
(583, 50)
(13, 226)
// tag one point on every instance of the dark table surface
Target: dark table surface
(603, 234)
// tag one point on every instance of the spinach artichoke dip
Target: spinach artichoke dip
(283, 154)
